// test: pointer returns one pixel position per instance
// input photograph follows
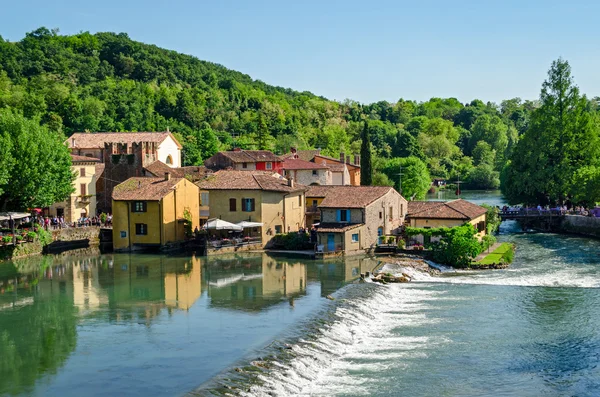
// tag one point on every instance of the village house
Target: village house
(152, 212)
(343, 171)
(82, 202)
(256, 196)
(314, 196)
(244, 160)
(306, 172)
(354, 218)
(161, 146)
(435, 214)
(123, 155)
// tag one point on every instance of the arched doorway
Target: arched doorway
(169, 160)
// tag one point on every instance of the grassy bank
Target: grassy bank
(502, 256)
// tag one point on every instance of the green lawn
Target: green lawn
(495, 257)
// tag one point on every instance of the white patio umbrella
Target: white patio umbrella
(246, 224)
(4, 216)
(220, 224)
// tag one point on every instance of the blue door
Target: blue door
(331, 242)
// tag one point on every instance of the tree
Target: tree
(561, 140)
(457, 247)
(40, 174)
(415, 176)
(366, 171)
(483, 176)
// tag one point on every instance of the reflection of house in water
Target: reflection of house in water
(335, 274)
(251, 283)
(139, 286)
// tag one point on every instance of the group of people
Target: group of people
(560, 209)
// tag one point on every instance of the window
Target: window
(138, 206)
(169, 160)
(232, 205)
(391, 214)
(244, 165)
(314, 203)
(380, 215)
(141, 229)
(401, 209)
(343, 215)
(278, 229)
(300, 201)
(355, 238)
(82, 172)
(315, 173)
(269, 165)
(204, 198)
(248, 204)
(83, 189)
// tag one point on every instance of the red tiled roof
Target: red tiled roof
(248, 180)
(456, 209)
(158, 169)
(317, 156)
(319, 190)
(96, 140)
(297, 164)
(151, 189)
(337, 227)
(83, 159)
(353, 196)
(250, 156)
(306, 155)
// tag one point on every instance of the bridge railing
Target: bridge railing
(536, 212)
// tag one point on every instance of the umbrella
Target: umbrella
(4, 216)
(219, 224)
(246, 224)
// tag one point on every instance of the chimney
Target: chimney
(237, 149)
(357, 159)
(292, 149)
(167, 176)
(348, 159)
(291, 182)
(342, 157)
(73, 142)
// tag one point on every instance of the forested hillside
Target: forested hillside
(108, 82)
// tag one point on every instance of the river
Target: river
(136, 325)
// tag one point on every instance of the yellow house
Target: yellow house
(151, 212)
(82, 202)
(434, 214)
(264, 197)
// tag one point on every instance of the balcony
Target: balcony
(312, 209)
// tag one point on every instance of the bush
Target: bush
(487, 241)
(292, 241)
(44, 236)
(19, 238)
(401, 244)
(103, 217)
(31, 235)
(6, 239)
(391, 240)
(457, 247)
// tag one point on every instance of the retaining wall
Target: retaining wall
(586, 225)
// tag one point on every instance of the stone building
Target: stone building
(353, 218)
(306, 172)
(82, 202)
(244, 160)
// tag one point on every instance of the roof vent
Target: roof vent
(291, 182)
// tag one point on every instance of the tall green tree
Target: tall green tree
(562, 138)
(366, 169)
(415, 176)
(40, 174)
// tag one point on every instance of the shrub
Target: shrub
(391, 240)
(292, 241)
(31, 235)
(44, 236)
(103, 217)
(401, 244)
(19, 237)
(6, 239)
(487, 241)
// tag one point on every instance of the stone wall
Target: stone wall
(585, 225)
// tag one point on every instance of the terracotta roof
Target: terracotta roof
(158, 169)
(152, 189)
(319, 190)
(99, 169)
(248, 180)
(96, 140)
(353, 196)
(297, 164)
(317, 156)
(306, 155)
(456, 209)
(337, 227)
(83, 159)
(250, 156)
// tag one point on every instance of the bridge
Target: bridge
(532, 214)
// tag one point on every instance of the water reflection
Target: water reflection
(46, 303)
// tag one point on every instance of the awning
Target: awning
(219, 224)
(5, 216)
(246, 224)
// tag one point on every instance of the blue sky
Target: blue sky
(366, 51)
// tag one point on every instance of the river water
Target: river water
(261, 326)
